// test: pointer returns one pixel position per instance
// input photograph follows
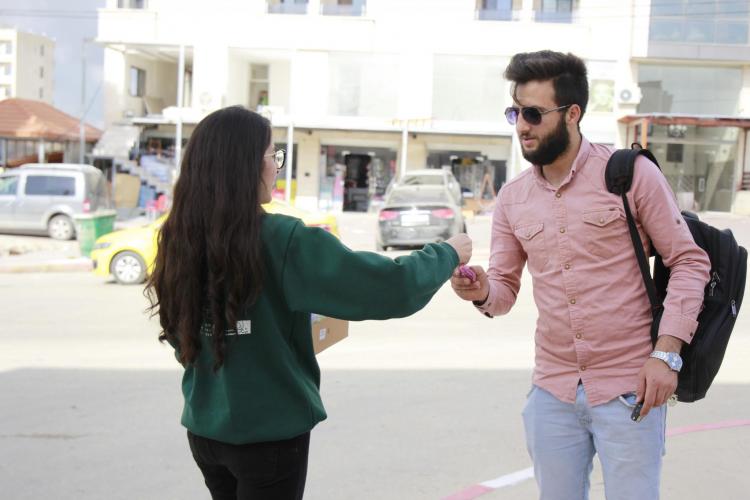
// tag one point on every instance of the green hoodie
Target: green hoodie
(267, 388)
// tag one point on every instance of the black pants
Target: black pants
(275, 470)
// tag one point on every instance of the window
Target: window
(414, 196)
(137, 82)
(41, 93)
(498, 10)
(41, 50)
(41, 71)
(131, 4)
(363, 85)
(287, 6)
(343, 7)
(689, 89)
(6, 47)
(468, 88)
(707, 21)
(5, 69)
(8, 185)
(259, 86)
(553, 11)
(50, 185)
(5, 91)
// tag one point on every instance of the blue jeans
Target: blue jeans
(562, 439)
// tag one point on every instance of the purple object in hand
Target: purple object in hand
(467, 272)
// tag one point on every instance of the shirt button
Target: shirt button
(601, 220)
(562, 229)
(579, 336)
(572, 301)
(557, 195)
(583, 368)
(567, 266)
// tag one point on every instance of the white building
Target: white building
(366, 88)
(27, 65)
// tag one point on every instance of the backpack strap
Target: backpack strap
(619, 178)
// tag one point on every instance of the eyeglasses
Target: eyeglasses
(531, 115)
(279, 158)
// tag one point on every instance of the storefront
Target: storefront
(350, 170)
(703, 158)
(354, 178)
(480, 177)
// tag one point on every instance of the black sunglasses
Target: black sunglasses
(531, 115)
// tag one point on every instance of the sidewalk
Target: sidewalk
(40, 254)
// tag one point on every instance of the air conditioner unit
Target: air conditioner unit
(629, 95)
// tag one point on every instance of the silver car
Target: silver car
(429, 177)
(42, 198)
(415, 215)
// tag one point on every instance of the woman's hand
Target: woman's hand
(462, 244)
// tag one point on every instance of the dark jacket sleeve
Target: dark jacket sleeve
(321, 275)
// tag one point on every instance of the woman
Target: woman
(234, 288)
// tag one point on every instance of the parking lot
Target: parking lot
(423, 407)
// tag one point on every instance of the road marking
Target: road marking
(706, 427)
(520, 476)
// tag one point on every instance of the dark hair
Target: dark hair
(208, 264)
(566, 71)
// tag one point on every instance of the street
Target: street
(418, 408)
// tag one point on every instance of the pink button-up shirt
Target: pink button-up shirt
(594, 315)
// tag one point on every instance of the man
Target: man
(593, 358)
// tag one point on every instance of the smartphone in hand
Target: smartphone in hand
(467, 272)
(636, 415)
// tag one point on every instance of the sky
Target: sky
(68, 23)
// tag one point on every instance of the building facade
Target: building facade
(27, 66)
(361, 90)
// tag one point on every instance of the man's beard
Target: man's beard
(551, 147)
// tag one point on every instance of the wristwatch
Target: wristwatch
(672, 359)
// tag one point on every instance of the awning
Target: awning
(683, 119)
(27, 119)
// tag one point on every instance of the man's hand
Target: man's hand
(468, 290)
(656, 381)
(656, 384)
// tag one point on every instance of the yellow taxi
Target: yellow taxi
(128, 254)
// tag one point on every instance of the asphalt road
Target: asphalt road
(419, 408)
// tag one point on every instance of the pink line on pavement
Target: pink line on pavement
(707, 427)
(478, 490)
(470, 493)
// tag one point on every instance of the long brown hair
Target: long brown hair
(209, 264)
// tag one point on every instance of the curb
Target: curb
(7, 265)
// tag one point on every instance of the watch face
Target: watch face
(674, 361)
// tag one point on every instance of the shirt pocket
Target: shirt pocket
(606, 232)
(531, 237)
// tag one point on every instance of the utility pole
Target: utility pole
(178, 127)
(82, 124)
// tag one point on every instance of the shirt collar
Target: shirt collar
(578, 163)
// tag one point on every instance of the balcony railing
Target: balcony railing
(495, 14)
(287, 8)
(342, 10)
(553, 16)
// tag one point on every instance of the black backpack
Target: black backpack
(722, 296)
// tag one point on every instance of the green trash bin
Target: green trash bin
(91, 226)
